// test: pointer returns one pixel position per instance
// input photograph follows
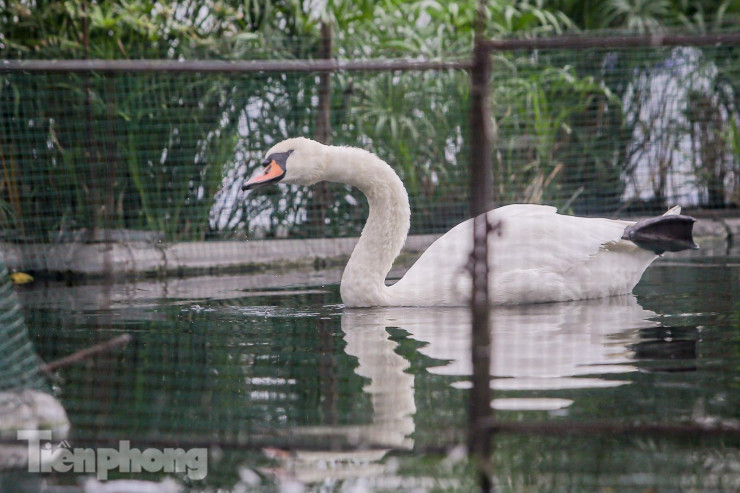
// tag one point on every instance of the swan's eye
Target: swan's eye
(277, 157)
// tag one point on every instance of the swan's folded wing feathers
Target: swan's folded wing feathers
(534, 246)
(543, 239)
(518, 210)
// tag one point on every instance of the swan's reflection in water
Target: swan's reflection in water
(391, 391)
(538, 347)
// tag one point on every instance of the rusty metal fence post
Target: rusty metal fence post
(480, 410)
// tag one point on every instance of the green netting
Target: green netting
(168, 153)
(247, 364)
(19, 363)
(615, 131)
(597, 131)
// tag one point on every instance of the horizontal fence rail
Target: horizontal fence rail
(586, 42)
(219, 66)
(556, 428)
(297, 440)
(332, 65)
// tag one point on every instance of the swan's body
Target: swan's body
(540, 256)
(537, 256)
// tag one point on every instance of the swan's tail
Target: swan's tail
(670, 232)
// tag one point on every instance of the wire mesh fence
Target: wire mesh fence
(123, 156)
(20, 363)
(168, 152)
(650, 152)
(609, 131)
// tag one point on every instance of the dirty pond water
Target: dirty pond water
(289, 389)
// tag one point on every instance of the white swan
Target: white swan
(539, 255)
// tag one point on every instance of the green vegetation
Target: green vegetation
(167, 152)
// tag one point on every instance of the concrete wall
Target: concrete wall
(156, 258)
(137, 258)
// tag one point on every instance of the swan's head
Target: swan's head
(297, 161)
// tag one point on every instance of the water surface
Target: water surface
(298, 390)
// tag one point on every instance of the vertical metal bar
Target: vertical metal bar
(317, 215)
(316, 209)
(479, 443)
(323, 116)
(93, 201)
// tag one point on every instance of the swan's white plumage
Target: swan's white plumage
(537, 256)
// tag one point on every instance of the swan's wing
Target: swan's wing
(534, 247)
(532, 236)
(519, 210)
(544, 256)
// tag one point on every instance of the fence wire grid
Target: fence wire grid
(281, 382)
(606, 131)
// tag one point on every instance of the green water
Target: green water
(301, 392)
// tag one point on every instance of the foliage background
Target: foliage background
(592, 132)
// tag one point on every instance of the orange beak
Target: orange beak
(273, 173)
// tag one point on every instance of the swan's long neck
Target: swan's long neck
(363, 281)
